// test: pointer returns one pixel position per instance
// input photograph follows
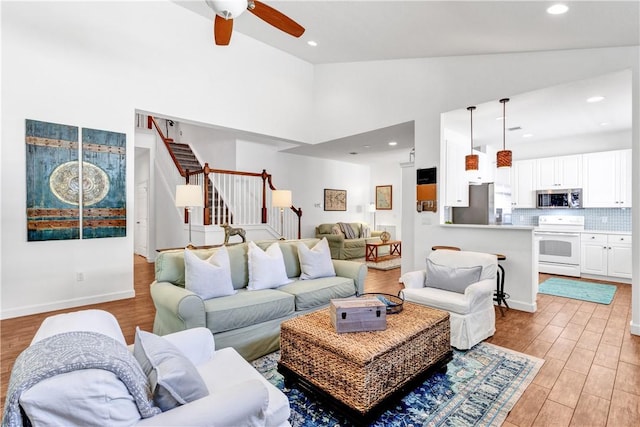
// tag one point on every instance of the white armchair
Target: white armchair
(238, 394)
(462, 283)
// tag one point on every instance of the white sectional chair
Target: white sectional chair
(462, 283)
(238, 394)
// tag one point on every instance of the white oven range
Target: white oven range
(558, 239)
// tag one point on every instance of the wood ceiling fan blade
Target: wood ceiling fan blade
(275, 18)
(222, 30)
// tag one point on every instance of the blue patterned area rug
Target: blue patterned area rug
(480, 387)
(585, 291)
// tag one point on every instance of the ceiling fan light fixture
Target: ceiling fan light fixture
(504, 156)
(228, 9)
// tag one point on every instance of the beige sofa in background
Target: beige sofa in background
(343, 248)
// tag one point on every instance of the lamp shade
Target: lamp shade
(281, 198)
(189, 196)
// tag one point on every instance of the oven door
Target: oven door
(559, 253)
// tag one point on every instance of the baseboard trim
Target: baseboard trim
(62, 305)
(522, 306)
(634, 328)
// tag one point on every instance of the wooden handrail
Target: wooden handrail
(151, 121)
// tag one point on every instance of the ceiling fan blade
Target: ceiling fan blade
(275, 18)
(222, 30)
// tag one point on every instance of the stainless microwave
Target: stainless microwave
(564, 199)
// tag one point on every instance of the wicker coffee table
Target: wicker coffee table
(358, 373)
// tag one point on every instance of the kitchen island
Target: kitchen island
(517, 243)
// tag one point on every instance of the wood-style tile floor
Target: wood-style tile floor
(590, 378)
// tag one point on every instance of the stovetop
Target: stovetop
(560, 223)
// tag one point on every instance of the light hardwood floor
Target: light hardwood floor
(591, 375)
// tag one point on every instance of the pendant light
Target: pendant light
(471, 160)
(504, 155)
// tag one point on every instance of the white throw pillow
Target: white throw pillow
(266, 268)
(174, 379)
(209, 278)
(366, 231)
(315, 262)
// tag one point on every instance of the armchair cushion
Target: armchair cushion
(454, 279)
(174, 379)
(210, 278)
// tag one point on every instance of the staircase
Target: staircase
(188, 162)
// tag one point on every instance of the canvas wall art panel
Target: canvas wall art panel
(53, 182)
(104, 184)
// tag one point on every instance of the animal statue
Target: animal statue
(232, 231)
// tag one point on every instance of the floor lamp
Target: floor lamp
(188, 197)
(372, 208)
(281, 199)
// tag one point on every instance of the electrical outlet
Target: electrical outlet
(79, 276)
(604, 219)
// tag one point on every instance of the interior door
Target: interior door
(141, 230)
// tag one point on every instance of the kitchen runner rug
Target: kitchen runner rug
(585, 291)
(480, 387)
(389, 264)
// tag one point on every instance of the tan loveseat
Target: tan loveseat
(343, 248)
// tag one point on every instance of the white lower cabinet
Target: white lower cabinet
(606, 255)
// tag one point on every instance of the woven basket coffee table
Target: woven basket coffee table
(358, 373)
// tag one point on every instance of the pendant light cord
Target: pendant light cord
(504, 121)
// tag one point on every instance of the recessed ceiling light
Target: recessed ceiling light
(595, 99)
(557, 9)
(499, 118)
(312, 43)
(604, 124)
(527, 135)
(366, 146)
(393, 143)
(353, 153)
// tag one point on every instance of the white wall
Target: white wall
(574, 145)
(92, 64)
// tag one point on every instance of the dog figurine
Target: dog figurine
(232, 231)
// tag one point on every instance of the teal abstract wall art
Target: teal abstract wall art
(69, 200)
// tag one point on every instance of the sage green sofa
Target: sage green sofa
(249, 320)
(340, 246)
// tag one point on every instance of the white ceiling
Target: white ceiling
(348, 31)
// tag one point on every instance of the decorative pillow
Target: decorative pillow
(266, 268)
(315, 262)
(209, 278)
(454, 279)
(174, 379)
(336, 230)
(366, 231)
(348, 231)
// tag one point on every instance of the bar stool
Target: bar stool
(500, 296)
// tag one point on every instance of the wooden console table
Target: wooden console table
(395, 250)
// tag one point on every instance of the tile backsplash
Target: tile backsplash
(602, 219)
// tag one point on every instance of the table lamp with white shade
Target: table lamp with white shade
(372, 208)
(189, 196)
(281, 199)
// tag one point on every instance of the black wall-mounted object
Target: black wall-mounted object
(426, 176)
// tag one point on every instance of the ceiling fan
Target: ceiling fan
(227, 10)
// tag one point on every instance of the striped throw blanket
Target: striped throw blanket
(349, 232)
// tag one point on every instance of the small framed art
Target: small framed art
(335, 200)
(384, 200)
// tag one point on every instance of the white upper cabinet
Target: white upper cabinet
(559, 172)
(607, 179)
(523, 181)
(456, 184)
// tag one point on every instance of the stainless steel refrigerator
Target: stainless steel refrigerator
(489, 204)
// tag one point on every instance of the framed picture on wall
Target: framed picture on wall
(384, 199)
(335, 200)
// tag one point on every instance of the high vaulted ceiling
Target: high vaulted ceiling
(348, 31)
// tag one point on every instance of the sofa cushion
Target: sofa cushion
(266, 268)
(316, 293)
(247, 308)
(325, 228)
(454, 279)
(210, 278)
(174, 379)
(315, 262)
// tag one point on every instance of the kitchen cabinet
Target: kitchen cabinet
(607, 179)
(523, 179)
(456, 191)
(559, 172)
(606, 254)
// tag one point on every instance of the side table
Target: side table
(395, 250)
